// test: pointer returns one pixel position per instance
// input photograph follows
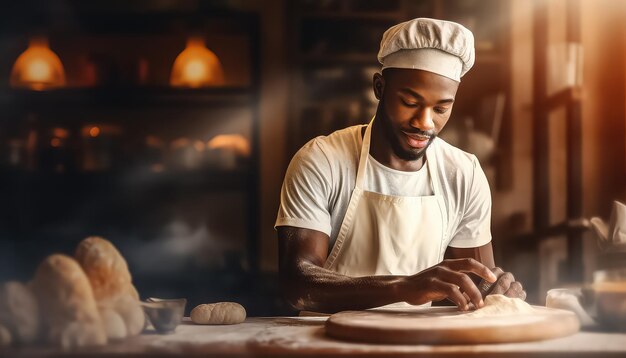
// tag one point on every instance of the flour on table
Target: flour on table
(498, 305)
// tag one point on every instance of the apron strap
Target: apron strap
(431, 163)
(365, 151)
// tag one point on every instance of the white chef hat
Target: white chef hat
(443, 47)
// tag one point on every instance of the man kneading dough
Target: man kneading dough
(388, 212)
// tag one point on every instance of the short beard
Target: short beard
(392, 138)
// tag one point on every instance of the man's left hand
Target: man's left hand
(505, 285)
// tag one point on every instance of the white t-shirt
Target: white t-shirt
(321, 176)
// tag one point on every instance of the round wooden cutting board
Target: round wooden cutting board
(447, 325)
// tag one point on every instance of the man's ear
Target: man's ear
(378, 85)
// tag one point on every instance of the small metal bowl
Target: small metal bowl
(164, 314)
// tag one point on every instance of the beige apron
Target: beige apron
(387, 234)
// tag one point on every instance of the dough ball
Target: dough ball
(499, 305)
(218, 313)
(114, 325)
(19, 312)
(131, 312)
(68, 311)
(5, 336)
(105, 267)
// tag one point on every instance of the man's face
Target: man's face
(414, 106)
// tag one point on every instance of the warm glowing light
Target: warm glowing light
(38, 67)
(60, 133)
(234, 142)
(195, 71)
(38, 70)
(55, 142)
(197, 66)
(94, 132)
(180, 143)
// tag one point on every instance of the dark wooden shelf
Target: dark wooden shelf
(106, 17)
(209, 178)
(353, 16)
(339, 59)
(129, 95)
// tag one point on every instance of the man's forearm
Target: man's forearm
(314, 288)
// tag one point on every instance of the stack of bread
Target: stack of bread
(85, 300)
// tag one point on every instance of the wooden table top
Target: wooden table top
(304, 336)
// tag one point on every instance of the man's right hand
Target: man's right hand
(448, 279)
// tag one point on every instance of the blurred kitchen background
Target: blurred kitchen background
(166, 126)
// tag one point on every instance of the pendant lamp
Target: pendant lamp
(197, 66)
(38, 68)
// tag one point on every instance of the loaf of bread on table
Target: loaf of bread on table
(218, 313)
(112, 285)
(19, 312)
(105, 267)
(68, 310)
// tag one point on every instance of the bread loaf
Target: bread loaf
(112, 283)
(218, 313)
(105, 267)
(67, 307)
(19, 312)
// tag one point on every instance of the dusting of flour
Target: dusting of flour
(500, 305)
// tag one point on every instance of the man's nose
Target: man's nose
(423, 119)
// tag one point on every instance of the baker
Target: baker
(388, 212)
